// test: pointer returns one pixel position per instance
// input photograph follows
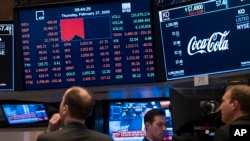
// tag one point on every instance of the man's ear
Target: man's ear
(235, 104)
(147, 124)
(65, 109)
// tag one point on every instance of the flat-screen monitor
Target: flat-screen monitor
(125, 119)
(25, 114)
(90, 44)
(6, 56)
(196, 110)
(205, 38)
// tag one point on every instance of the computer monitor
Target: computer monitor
(125, 118)
(25, 114)
(196, 110)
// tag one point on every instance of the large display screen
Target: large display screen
(209, 37)
(126, 119)
(6, 56)
(87, 44)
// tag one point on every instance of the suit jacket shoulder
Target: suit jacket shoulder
(222, 133)
(74, 133)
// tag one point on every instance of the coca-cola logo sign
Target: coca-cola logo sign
(216, 42)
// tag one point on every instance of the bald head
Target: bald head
(79, 101)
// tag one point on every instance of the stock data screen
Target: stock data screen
(6, 56)
(209, 37)
(90, 44)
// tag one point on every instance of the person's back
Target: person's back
(69, 123)
(74, 132)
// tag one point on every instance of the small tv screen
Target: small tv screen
(25, 114)
(206, 38)
(125, 121)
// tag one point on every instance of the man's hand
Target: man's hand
(55, 123)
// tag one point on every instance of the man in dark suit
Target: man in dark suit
(155, 125)
(69, 123)
(235, 110)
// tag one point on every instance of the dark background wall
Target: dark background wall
(6, 10)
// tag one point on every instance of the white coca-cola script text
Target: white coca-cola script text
(216, 42)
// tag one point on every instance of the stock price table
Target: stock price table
(90, 45)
